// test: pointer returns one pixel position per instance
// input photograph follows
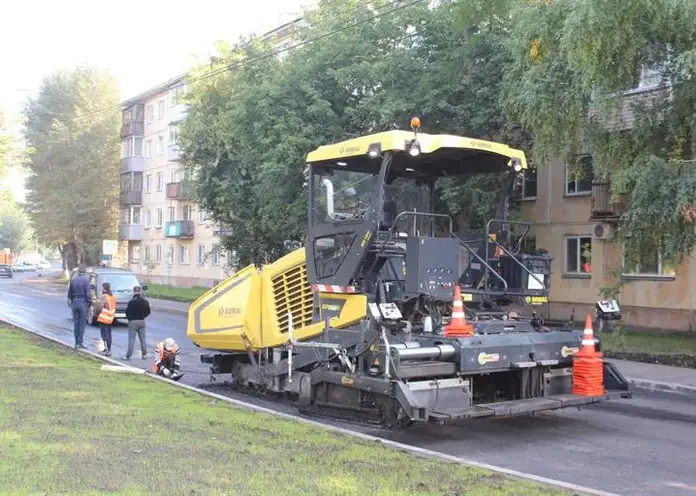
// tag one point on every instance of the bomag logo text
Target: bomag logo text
(228, 311)
(331, 308)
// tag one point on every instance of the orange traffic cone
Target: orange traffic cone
(588, 366)
(458, 327)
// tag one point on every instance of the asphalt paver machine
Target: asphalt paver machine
(354, 324)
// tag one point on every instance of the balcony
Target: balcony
(177, 191)
(222, 231)
(179, 229)
(173, 153)
(133, 121)
(603, 208)
(129, 198)
(132, 164)
(177, 113)
(130, 232)
(132, 128)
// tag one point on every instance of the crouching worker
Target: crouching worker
(166, 360)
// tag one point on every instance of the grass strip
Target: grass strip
(67, 427)
(165, 292)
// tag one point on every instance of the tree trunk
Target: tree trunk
(69, 253)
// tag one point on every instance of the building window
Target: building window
(529, 184)
(158, 222)
(170, 254)
(184, 255)
(173, 135)
(171, 214)
(160, 181)
(202, 216)
(649, 262)
(147, 253)
(158, 253)
(579, 177)
(132, 147)
(232, 258)
(201, 254)
(578, 255)
(186, 212)
(148, 218)
(148, 183)
(160, 109)
(148, 149)
(175, 93)
(136, 216)
(160, 144)
(216, 255)
(150, 113)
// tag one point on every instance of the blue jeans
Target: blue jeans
(79, 311)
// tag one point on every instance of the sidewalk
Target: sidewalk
(658, 377)
(169, 306)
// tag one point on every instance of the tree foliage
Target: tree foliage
(73, 185)
(574, 61)
(14, 224)
(361, 67)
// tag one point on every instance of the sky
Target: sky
(141, 42)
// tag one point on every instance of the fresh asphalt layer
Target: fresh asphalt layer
(641, 446)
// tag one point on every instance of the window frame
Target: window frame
(158, 252)
(579, 272)
(201, 254)
(661, 266)
(159, 178)
(523, 193)
(147, 224)
(184, 260)
(568, 181)
(159, 218)
(160, 140)
(150, 113)
(148, 183)
(161, 109)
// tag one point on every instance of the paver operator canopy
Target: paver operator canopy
(380, 190)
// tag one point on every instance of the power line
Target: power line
(271, 54)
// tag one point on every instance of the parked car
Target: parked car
(122, 283)
(44, 265)
(6, 271)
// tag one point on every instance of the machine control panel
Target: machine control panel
(432, 267)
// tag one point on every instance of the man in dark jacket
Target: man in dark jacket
(79, 298)
(136, 312)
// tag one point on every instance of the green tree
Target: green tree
(73, 185)
(573, 63)
(14, 225)
(360, 69)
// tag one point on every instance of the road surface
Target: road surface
(644, 446)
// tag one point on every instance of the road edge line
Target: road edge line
(339, 430)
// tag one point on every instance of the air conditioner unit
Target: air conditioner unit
(603, 231)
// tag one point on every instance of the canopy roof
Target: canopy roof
(439, 153)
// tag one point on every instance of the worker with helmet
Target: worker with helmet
(166, 360)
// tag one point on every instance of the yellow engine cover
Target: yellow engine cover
(255, 304)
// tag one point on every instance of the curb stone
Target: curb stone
(341, 430)
(665, 387)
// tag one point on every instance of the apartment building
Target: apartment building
(575, 219)
(163, 235)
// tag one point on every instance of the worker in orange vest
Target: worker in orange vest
(106, 316)
(166, 360)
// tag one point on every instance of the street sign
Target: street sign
(106, 258)
(109, 247)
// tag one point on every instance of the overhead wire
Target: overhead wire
(274, 53)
